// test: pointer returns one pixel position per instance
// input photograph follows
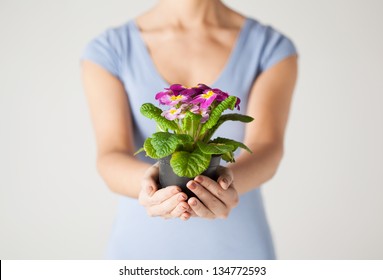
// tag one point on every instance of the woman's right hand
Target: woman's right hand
(167, 202)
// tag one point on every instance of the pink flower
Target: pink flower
(171, 99)
(173, 113)
(200, 111)
(205, 99)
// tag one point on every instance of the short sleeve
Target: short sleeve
(104, 51)
(277, 47)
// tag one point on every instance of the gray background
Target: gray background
(324, 203)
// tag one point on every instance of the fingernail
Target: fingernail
(194, 203)
(224, 183)
(192, 186)
(181, 197)
(175, 190)
(198, 179)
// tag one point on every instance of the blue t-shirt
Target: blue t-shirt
(245, 234)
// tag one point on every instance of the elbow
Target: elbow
(276, 160)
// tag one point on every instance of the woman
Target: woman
(189, 42)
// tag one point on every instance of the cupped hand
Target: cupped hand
(215, 198)
(167, 202)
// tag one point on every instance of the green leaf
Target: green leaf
(234, 143)
(183, 138)
(139, 151)
(189, 165)
(191, 122)
(228, 103)
(149, 149)
(214, 148)
(228, 157)
(152, 112)
(227, 117)
(164, 143)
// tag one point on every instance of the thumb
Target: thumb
(225, 178)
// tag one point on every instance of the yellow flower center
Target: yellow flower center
(208, 94)
(175, 98)
(172, 111)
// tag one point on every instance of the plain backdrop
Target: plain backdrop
(326, 201)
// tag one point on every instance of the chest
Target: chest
(190, 57)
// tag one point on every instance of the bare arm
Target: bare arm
(269, 104)
(112, 124)
(122, 172)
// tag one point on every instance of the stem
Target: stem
(179, 131)
(197, 133)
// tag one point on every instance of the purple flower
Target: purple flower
(203, 87)
(237, 103)
(205, 99)
(178, 89)
(200, 111)
(221, 96)
(169, 98)
(173, 113)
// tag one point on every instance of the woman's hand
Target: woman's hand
(215, 199)
(168, 202)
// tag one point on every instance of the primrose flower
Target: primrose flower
(221, 96)
(169, 98)
(203, 87)
(178, 89)
(173, 113)
(200, 111)
(237, 103)
(205, 99)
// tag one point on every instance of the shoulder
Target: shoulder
(108, 48)
(271, 44)
(265, 33)
(114, 36)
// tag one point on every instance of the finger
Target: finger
(163, 194)
(149, 182)
(181, 208)
(185, 216)
(211, 202)
(166, 207)
(229, 196)
(225, 178)
(200, 209)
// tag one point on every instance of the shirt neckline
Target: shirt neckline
(235, 51)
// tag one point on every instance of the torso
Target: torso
(190, 56)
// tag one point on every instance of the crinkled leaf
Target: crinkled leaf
(183, 138)
(164, 143)
(228, 117)
(214, 148)
(235, 117)
(152, 112)
(228, 103)
(191, 122)
(150, 150)
(228, 157)
(234, 143)
(189, 165)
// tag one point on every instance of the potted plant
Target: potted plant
(183, 144)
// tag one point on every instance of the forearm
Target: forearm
(252, 170)
(122, 172)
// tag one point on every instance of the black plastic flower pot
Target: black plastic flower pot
(168, 178)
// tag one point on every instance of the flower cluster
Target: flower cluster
(185, 130)
(198, 100)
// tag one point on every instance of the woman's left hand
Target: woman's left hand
(215, 198)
